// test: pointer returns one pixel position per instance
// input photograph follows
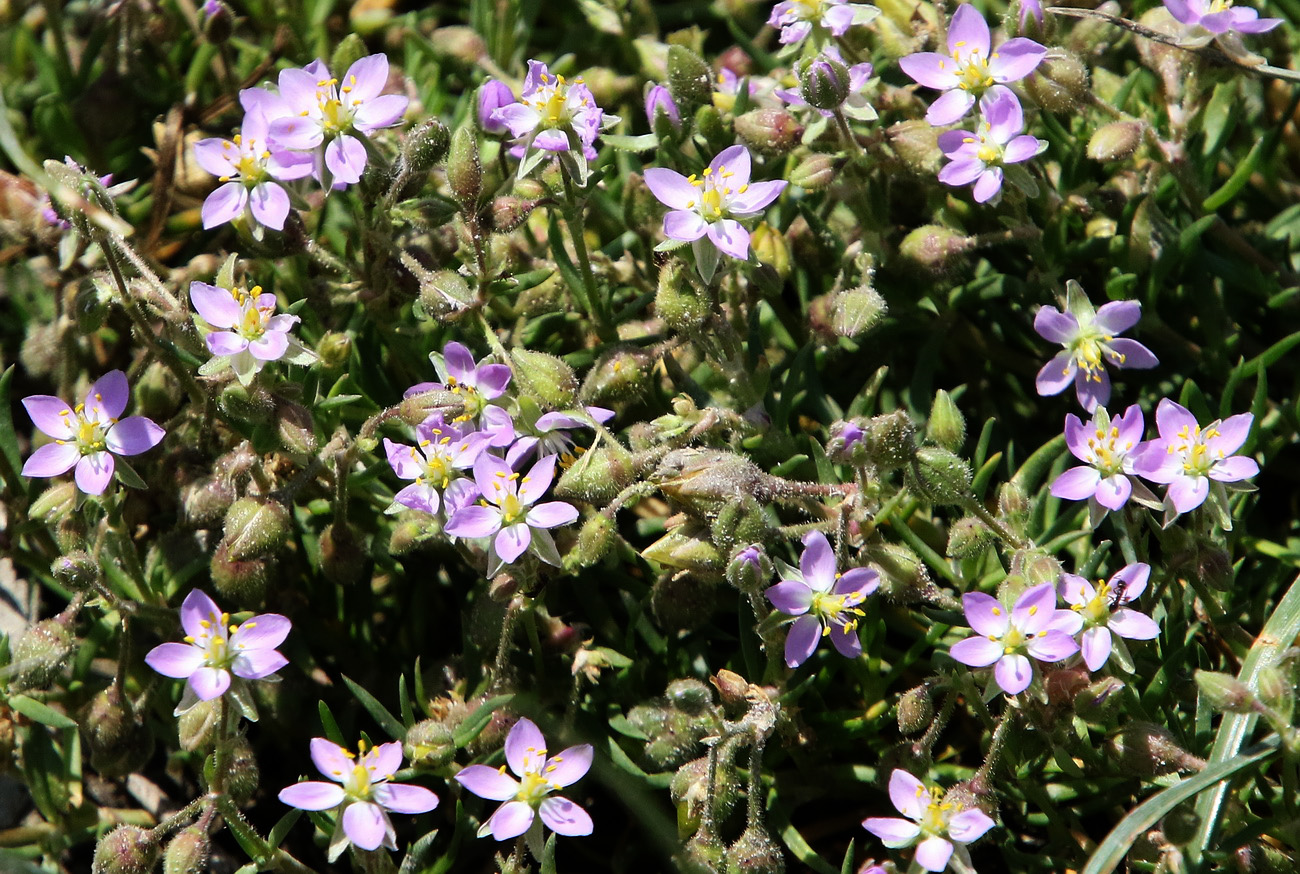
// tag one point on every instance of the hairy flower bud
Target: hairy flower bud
(350, 49)
(509, 212)
(749, 569)
(1115, 141)
(595, 539)
(1276, 690)
(935, 249)
(204, 502)
(459, 43)
(679, 301)
(903, 576)
(855, 311)
(187, 853)
(249, 404)
(968, 537)
(622, 373)
(126, 849)
(708, 121)
(465, 167)
(242, 775)
(845, 445)
(218, 24)
(425, 146)
(941, 476)
(240, 580)
(544, 378)
(916, 708)
(255, 526)
(690, 696)
(703, 854)
(38, 656)
(890, 440)
(771, 248)
(54, 503)
(947, 426)
(334, 349)
(1100, 700)
(1060, 82)
(342, 558)
(823, 82)
(1149, 750)
(430, 744)
(774, 131)
(295, 428)
(813, 173)
(1226, 693)
(91, 306)
(916, 143)
(689, 788)
(690, 81)
(76, 570)
(754, 852)
(118, 740)
(197, 726)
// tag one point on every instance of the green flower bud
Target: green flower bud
(410, 531)
(425, 146)
(649, 719)
(916, 143)
(544, 378)
(682, 601)
(91, 305)
(903, 576)
(465, 167)
(76, 570)
(39, 655)
(890, 440)
(813, 173)
(681, 303)
(204, 502)
(703, 854)
(1036, 567)
(334, 349)
(295, 428)
(623, 373)
(690, 81)
(689, 788)
(598, 476)
(679, 738)
(773, 131)
(855, 311)
(127, 849)
(935, 249)
(459, 43)
(197, 726)
(1115, 141)
(1060, 82)
(240, 580)
(823, 82)
(754, 852)
(509, 212)
(708, 121)
(916, 709)
(771, 248)
(968, 537)
(1277, 691)
(595, 539)
(243, 775)
(739, 522)
(749, 569)
(350, 49)
(947, 426)
(1013, 503)
(941, 476)
(430, 744)
(187, 853)
(255, 526)
(687, 548)
(55, 502)
(1099, 701)
(690, 696)
(1226, 693)
(1149, 750)
(250, 404)
(119, 742)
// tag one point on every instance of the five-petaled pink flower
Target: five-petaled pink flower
(553, 115)
(978, 156)
(796, 19)
(827, 602)
(475, 384)
(443, 451)
(530, 795)
(706, 207)
(507, 515)
(1105, 445)
(361, 786)
(250, 169)
(970, 68)
(249, 333)
(1090, 340)
(1033, 627)
(214, 649)
(88, 435)
(1206, 20)
(936, 824)
(1103, 612)
(1186, 456)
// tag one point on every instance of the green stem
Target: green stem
(573, 218)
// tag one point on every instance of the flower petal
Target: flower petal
(671, 188)
(1171, 418)
(969, 825)
(510, 820)
(933, 853)
(817, 562)
(366, 77)
(846, 641)
(263, 632)
(199, 613)
(1055, 645)
(217, 156)
(1013, 673)
(1133, 625)
(224, 205)
(988, 185)
(486, 782)
(930, 69)
(525, 748)
(1114, 491)
(94, 472)
(401, 798)
(968, 32)
(564, 817)
(791, 597)
(985, 614)
(474, 521)
(512, 541)
(269, 204)
(108, 397)
(52, 459)
(684, 225)
(730, 238)
(568, 766)
(1015, 59)
(1056, 326)
(802, 640)
(1130, 354)
(551, 514)
(346, 159)
(133, 435)
(365, 824)
(54, 417)
(1234, 469)
(215, 305)
(755, 198)
(209, 683)
(950, 107)
(976, 652)
(1187, 493)
(538, 479)
(1096, 647)
(1034, 608)
(1056, 375)
(312, 795)
(257, 664)
(330, 759)
(1233, 432)
(1076, 484)
(906, 792)
(734, 159)
(892, 831)
(175, 660)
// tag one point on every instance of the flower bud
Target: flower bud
(39, 655)
(703, 854)
(342, 559)
(425, 145)
(1029, 19)
(1148, 750)
(55, 502)
(1276, 690)
(465, 167)
(76, 570)
(935, 249)
(941, 476)
(91, 306)
(771, 248)
(739, 522)
(1226, 693)
(509, 212)
(689, 788)
(240, 580)
(410, 531)
(683, 601)
(708, 121)
(295, 428)
(459, 43)
(684, 306)
(1115, 141)
(127, 849)
(690, 81)
(544, 378)
(813, 173)
(595, 539)
(1060, 82)
(824, 82)
(855, 311)
(916, 143)
(690, 696)
(119, 742)
(430, 744)
(845, 444)
(679, 738)
(204, 502)
(443, 292)
(903, 576)
(1036, 567)
(197, 726)
(623, 373)
(947, 426)
(890, 440)
(1099, 700)
(754, 852)
(968, 537)
(243, 774)
(749, 569)
(661, 111)
(1013, 503)
(219, 22)
(255, 526)
(774, 131)
(350, 49)
(187, 853)
(251, 404)
(916, 709)
(492, 95)
(334, 349)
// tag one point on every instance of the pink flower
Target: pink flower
(1206, 20)
(214, 649)
(250, 168)
(492, 95)
(979, 156)
(935, 824)
(507, 515)
(88, 435)
(1034, 627)
(796, 19)
(553, 115)
(476, 384)
(362, 789)
(970, 68)
(444, 450)
(826, 601)
(530, 795)
(249, 333)
(1103, 612)
(1105, 446)
(1187, 457)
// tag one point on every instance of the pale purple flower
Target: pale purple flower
(506, 512)
(552, 436)
(970, 68)
(1103, 612)
(530, 795)
(1206, 20)
(760, 90)
(855, 105)
(492, 95)
(659, 101)
(797, 19)
(1033, 627)
(362, 789)
(443, 451)
(250, 169)
(704, 209)
(214, 650)
(1030, 11)
(934, 825)
(978, 156)
(1186, 456)
(88, 435)
(460, 374)
(1105, 446)
(324, 111)
(249, 333)
(826, 602)
(1090, 338)
(553, 115)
